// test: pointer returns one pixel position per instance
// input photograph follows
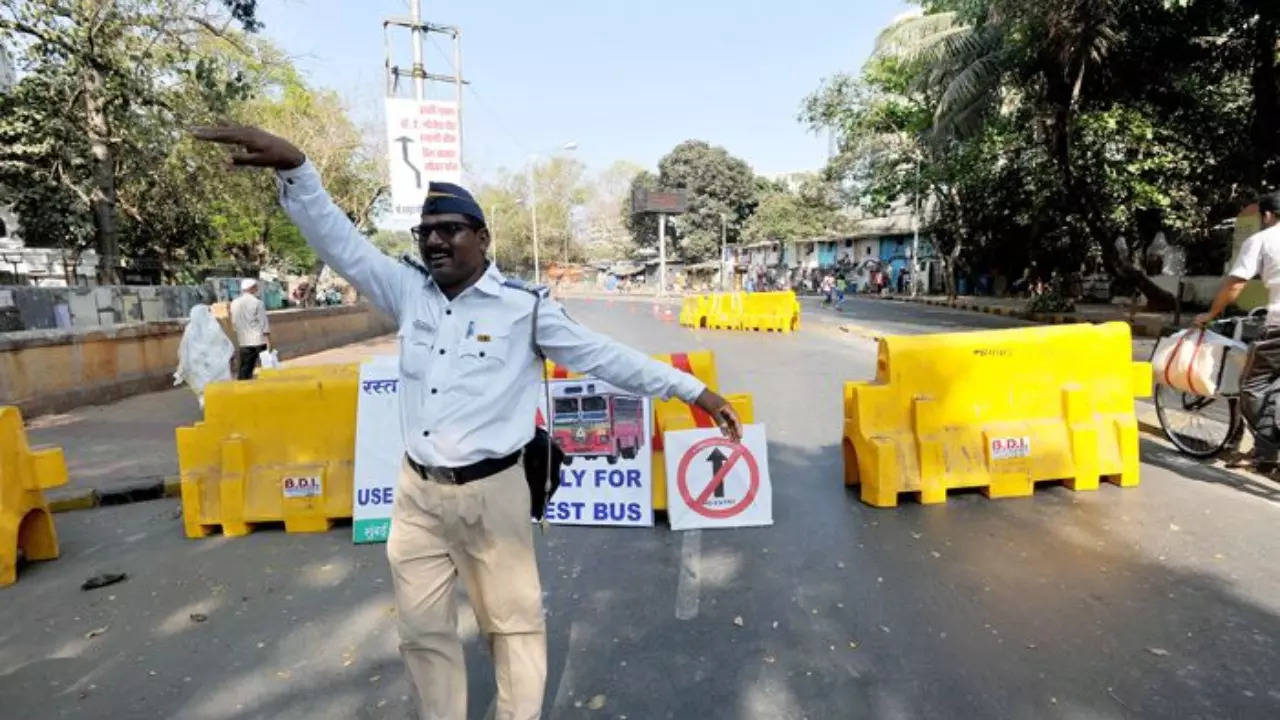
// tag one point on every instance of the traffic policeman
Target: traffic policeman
(469, 389)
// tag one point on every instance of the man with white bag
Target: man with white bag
(253, 330)
(1259, 257)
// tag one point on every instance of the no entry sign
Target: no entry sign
(713, 482)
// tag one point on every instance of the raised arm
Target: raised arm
(325, 226)
(586, 351)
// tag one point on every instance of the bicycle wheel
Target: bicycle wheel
(1198, 426)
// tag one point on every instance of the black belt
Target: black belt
(465, 474)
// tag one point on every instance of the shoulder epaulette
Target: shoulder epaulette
(409, 260)
(518, 284)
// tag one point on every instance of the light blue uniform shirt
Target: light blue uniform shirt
(469, 377)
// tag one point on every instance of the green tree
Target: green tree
(1102, 111)
(812, 211)
(605, 231)
(643, 227)
(559, 187)
(718, 184)
(243, 208)
(109, 69)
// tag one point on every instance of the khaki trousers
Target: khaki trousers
(481, 532)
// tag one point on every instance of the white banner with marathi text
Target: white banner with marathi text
(423, 146)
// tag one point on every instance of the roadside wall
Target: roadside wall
(43, 371)
(23, 307)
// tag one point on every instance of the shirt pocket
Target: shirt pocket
(416, 340)
(481, 359)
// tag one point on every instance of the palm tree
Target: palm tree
(1024, 52)
(963, 66)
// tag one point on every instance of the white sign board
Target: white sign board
(379, 448)
(713, 482)
(607, 478)
(422, 142)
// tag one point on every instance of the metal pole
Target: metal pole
(533, 210)
(457, 75)
(662, 254)
(1177, 305)
(419, 72)
(915, 242)
(723, 253)
(492, 221)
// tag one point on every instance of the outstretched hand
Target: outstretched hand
(259, 148)
(720, 409)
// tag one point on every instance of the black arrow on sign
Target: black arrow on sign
(717, 460)
(404, 150)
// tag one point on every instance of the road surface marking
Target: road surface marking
(689, 587)
(563, 691)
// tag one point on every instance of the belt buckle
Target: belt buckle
(443, 475)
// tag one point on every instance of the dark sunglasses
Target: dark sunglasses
(446, 230)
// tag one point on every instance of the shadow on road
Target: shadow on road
(1154, 453)
(1062, 604)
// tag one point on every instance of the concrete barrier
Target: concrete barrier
(45, 371)
(1000, 410)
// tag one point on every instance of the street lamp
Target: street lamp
(533, 208)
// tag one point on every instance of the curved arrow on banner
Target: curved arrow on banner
(404, 141)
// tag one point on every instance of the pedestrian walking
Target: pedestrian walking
(1259, 257)
(253, 330)
(471, 357)
(841, 286)
(204, 353)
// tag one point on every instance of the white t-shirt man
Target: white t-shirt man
(249, 319)
(1260, 257)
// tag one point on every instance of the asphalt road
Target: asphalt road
(892, 317)
(1159, 601)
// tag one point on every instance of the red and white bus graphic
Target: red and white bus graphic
(590, 424)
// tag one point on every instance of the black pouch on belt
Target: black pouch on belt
(542, 461)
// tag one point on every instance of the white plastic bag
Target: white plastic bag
(204, 355)
(1200, 362)
(270, 359)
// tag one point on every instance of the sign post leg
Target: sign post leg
(662, 254)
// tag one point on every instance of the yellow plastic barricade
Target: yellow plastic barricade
(674, 414)
(1000, 410)
(308, 371)
(726, 311)
(282, 447)
(25, 521)
(693, 312)
(771, 311)
(670, 415)
(276, 449)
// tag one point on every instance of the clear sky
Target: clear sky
(624, 80)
